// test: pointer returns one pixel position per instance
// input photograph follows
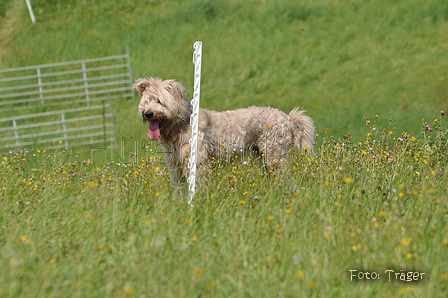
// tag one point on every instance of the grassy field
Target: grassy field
(76, 229)
(371, 198)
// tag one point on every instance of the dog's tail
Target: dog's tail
(303, 134)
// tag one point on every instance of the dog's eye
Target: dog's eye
(157, 100)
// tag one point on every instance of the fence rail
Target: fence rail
(63, 104)
(62, 128)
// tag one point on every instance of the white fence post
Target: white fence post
(39, 81)
(16, 133)
(30, 9)
(197, 60)
(129, 68)
(64, 128)
(86, 83)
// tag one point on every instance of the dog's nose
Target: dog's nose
(149, 114)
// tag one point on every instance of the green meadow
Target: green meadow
(340, 60)
(364, 215)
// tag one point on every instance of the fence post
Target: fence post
(197, 60)
(64, 129)
(86, 83)
(128, 65)
(16, 133)
(112, 119)
(104, 125)
(39, 81)
(30, 9)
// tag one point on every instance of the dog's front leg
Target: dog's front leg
(176, 177)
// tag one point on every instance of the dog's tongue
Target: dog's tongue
(154, 130)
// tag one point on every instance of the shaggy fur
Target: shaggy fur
(263, 131)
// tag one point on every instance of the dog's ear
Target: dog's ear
(140, 85)
(177, 89)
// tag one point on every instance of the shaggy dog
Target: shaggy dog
(264, 131)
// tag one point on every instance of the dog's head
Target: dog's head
(162, 103)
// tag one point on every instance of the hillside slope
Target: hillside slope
(341, 61)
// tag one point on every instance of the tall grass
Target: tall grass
(77, 229)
